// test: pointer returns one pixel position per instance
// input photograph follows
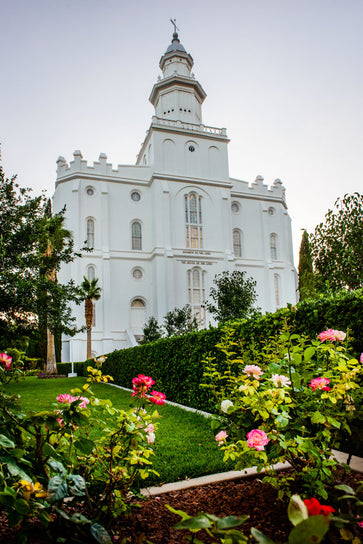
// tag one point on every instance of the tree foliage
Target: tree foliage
(152, 331)
(306, 273)
(179, 321)
(232, 297)
(337, 245)
(29, 292)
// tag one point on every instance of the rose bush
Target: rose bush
(290, 401)
(82, 451)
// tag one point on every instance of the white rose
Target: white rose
(150, 437)
(225, 405)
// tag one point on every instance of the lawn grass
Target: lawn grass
(184, 447)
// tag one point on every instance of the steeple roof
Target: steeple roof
(175, 45)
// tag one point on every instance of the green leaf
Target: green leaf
(22, 507)
(100, 534)
(195, 524)
(297, 510)
(230, 521)
(57, 488)
(16, 471)
(76, 485)
(5, 442)
(309, 531)
(345, 488)
(260, 537)
(180, 513)
(309, 353)
(56, 466)
(84, 445)
(317, 417)
(80, 519)
(7, 499)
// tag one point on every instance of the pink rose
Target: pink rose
(150, 437)
(150, 428)
(84, 402)
(141, 384)
(279, 380)
(319, 383)
(60, 421)
(331, 335)
(6, 360)
(157, 397)
(221, 437)
(361, 358)
(66, 398)
(253, 370)
(257, 439)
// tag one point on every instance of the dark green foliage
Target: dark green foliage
(33, 246)
(176, 363)
(337, 245)
(232, 297)
(306, 273)
(180, 321)
(151, 331)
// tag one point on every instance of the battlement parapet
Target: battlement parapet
(100, 168)
(259, 188)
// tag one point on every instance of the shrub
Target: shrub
(176, 362)
(290, 406)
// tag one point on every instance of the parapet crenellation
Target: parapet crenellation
(258, 187)
(100, 167)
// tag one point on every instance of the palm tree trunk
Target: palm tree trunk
(51, 367)
(88, 310)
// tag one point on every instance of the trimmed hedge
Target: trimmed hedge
(79, 368)
(175, 363)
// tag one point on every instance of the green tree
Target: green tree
(90, 292)
(337, 245)
(232, 296)
(152, 331)
(28, 292)
(306, 272)
(179, 321)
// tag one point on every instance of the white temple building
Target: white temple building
(160, 230)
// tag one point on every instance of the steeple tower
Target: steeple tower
(177, 95)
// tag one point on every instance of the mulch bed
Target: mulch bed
(239, 497)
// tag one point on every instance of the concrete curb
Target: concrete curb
(182, 406)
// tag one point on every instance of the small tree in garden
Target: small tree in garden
(290, 401)
(306, 273)
(152, 331)
(337, 244)
(179, 321)
(232, 297)
(90, 292)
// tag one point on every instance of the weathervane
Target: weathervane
(173, 22)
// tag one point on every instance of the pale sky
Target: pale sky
(285, 77)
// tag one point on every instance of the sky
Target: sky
(284, 77)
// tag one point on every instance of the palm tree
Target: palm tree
(54, 240)
(90, 292)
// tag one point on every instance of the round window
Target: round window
(271, 210)
(137, 273)
(191, 148)
(90, 191)
(235, 207)
(135, 196)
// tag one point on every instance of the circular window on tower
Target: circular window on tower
(90, 191)
(137, 273)
(235, 207)
(135, 196)
(271, 210)
(191, 148)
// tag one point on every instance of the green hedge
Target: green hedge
(175, 363)
(79, 368)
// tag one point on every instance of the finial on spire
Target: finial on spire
(173, 22)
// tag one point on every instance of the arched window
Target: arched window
(91, 272)
(196, 294)
(277, 290)
(273, 246)
(193, 220)
(137, 303)
(136, 235)
(90, 233)
(237, 242)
